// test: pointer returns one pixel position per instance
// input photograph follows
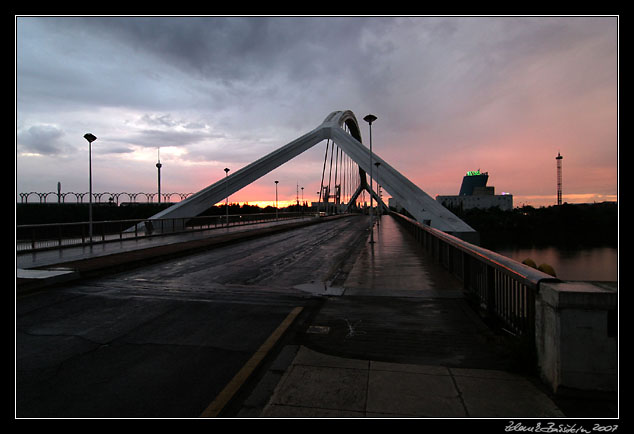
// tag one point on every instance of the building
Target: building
(474, 193)
(473, 180)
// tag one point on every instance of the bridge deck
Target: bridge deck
(166, 340)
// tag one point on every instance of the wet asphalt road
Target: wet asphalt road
(164, 340)
(283, 260)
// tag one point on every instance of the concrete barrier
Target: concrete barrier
(576, 336)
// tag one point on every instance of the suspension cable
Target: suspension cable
(336, 172)
(344, 165)
(330, 172)
(321, 188)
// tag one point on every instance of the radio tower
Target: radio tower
(558, 158)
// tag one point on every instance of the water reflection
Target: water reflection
(599, 263)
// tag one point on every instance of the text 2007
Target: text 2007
(606, 428)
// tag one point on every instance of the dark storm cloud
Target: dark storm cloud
(115, 150)
(156, 138)
(216, 63)
(241, 61)
(72, 62)
(153, 130)
(168, 121)
(239, 87)
(42, 140)
(237, 48)
(254, 66)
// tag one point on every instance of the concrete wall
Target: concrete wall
(575, 333)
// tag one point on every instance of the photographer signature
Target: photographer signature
(552, 427)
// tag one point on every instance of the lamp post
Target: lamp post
(158, 166)
(91, 138)
(369, 119)
(276, 199)
(227, 195)
(302, 200)
(378, 195)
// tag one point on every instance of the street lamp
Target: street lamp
(369, 119)
(158, 166)
(227, 195)
(276, 199)
(91, 138)
(302, 200)
(378, 194)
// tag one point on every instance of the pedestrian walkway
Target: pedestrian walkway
(317, 385)
(395, 264)
(399, 341)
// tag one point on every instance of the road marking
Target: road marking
(214, 409)
(319, 330)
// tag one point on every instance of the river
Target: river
(596, 263)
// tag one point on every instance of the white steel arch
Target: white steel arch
(418, 203)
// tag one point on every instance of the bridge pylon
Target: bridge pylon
(418, 203)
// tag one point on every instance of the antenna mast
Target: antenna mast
(559, 158)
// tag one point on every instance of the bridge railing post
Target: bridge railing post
(489, 296)
(466, 272)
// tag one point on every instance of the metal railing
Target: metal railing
(58, 235)
(109, 197)
(503, 287)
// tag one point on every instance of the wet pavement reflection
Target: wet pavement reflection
(396, 262)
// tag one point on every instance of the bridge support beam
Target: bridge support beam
(363, 186)
(418, 203)
(209, 196)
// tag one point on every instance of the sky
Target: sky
(500, 94)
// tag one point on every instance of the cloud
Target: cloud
(228, 90)
(42, 140)
(116, 150)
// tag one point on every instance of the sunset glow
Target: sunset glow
(452, 94)
(264, 204)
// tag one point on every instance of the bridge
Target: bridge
(302, 316)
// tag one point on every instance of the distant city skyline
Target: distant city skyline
(452, 94)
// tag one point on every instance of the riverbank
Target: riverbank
(579, 241)
(567, 226)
